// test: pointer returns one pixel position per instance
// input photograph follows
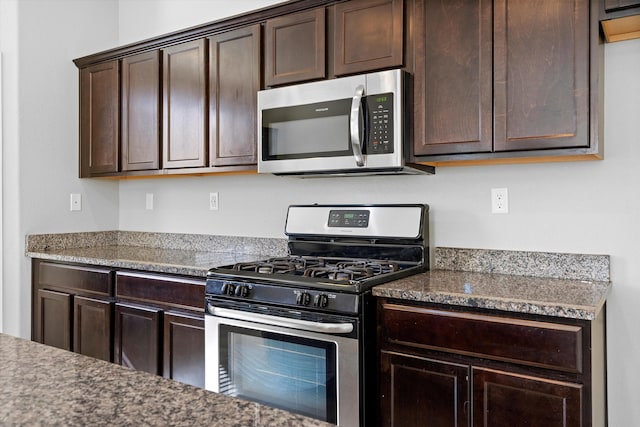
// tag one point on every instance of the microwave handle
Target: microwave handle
(356, 118)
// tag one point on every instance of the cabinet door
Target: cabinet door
(54, 319)
(137, 338)
(368, 35)
(99, 118)
(453, 100)
(541, 77)
(141, 111)
(93, 331)
(184, 136)
(183, 348)
(619, 4)
(419, 392)
(499, 398)
(295, 48)
(235, 72)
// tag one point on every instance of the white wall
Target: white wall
(40, 134)
(581, 207)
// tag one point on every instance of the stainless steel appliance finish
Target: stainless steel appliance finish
(348, 125)
(267, 320)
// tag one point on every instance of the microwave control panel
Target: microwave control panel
(380, 123)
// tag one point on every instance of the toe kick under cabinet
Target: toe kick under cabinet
(443, 366)
(147, 321)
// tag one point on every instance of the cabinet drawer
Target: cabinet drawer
(163, 290)
(526, 342)
(86, 280)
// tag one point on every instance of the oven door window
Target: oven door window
(292, 373)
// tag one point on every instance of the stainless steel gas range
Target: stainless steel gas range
(298, 332)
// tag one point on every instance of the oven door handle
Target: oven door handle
(285, 322)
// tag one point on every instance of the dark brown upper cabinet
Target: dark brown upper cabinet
(141, 111)
(235, 74)
(452, 77)
(368, 35)
(295, 48)
(541, 75)
(491, 85)
(99, 118)
(184, 105)
(620, 19)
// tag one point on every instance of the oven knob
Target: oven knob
(321, 301)
(303, 298)
(242, 291)
(228, 289)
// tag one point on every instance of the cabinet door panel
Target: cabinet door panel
(141, 111)
(235, 71)
(184, 141)
(137, 337)
(99, 118)
(295, 48)
(418, 392)
(183, 344)
(82, 279)
(54, 319)
(162, 290)
(525, 342)
(499, 398)
(92, 332)
(541, 79)
(619, 4)
(452, 82)
(368, 35)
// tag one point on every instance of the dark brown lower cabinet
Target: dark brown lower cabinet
(72, 308)
(92, 332)
(501, 398)
(423, 392)
(183, 347)
(441, 366)
(148, 322)
(159, 325)
(54, 318)
(137, 337)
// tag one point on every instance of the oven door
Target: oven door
(304, 367)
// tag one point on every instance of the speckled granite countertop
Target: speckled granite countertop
(185, 254)
(551, 284)
(42, 385)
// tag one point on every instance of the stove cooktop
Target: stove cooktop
(336, 253)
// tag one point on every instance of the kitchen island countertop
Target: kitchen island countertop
(43, 385)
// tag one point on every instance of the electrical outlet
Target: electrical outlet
(499, 200)
(76, 202)
(213, 201)
(149, 201)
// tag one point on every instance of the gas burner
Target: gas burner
(377, 267)
(268, 267)
(335, 273)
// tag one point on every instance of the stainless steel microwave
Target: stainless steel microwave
(348, 125)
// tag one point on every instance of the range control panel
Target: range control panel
(349, 218)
